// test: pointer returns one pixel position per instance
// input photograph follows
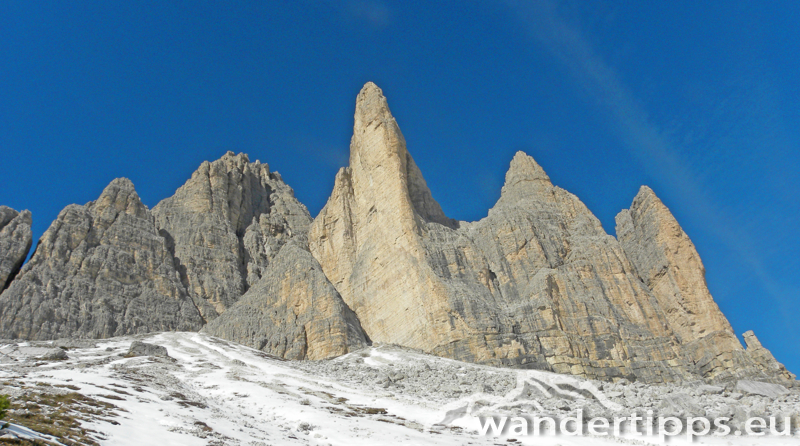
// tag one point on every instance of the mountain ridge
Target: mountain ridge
(537, 283)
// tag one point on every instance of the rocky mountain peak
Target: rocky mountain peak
(120, 196)
(382, 170)
(376, 135)
(525, 179)
(525, 169)
(100, 270)
(371, 106)
(225, 224)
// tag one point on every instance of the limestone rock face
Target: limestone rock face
(764, 359)
(225, 225)
(293, 312)
(100, 270)
(537, 283)
(15, 242)
(668, 263)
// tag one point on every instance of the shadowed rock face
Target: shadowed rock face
(537, 283)
(293, 312)
(15, 242)
(225, 225)
(100, 270)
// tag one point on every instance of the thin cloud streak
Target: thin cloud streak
(376, 14)
(643, 139)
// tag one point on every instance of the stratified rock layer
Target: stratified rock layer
(15, 242)
(100, 270)
(537, 283)
(293, 312)
(668, 263)
(764, 359)
(225, 224)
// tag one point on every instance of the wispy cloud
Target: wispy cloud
(374, 13)
(645, 140)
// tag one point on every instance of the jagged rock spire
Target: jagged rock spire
(367, 237)
(379, 156)
(668, 263)
(525, 171)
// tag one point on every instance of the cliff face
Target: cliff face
(293, 312)
(100, 270)
(15, 242)
(668, 263)
(225, 225)
(536, 284)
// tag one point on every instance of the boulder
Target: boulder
(768, 390)
(139, 348)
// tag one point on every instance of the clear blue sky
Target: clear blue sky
(699, 100)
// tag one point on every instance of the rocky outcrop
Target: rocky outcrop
(764, 359)
(225, 225)
(15, 242)
(536, 284)
(668, 263)
(100, 270)
(139, 348)
(293, 312)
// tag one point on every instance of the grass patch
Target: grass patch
(60, 415)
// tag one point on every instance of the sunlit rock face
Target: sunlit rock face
(293, 312)
(537, 283)
(668, 263)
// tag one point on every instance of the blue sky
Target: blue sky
(698, 100)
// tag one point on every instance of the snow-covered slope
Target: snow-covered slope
(212, 392)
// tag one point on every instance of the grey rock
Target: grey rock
(100, 270)
(225, 224)
(768, 390)
(293, 312)
(68, 343)
(764, 359)
(710, 390)
(54, 354)
(15, 242)
(668, 263)
(680, 404)
(139, 348)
